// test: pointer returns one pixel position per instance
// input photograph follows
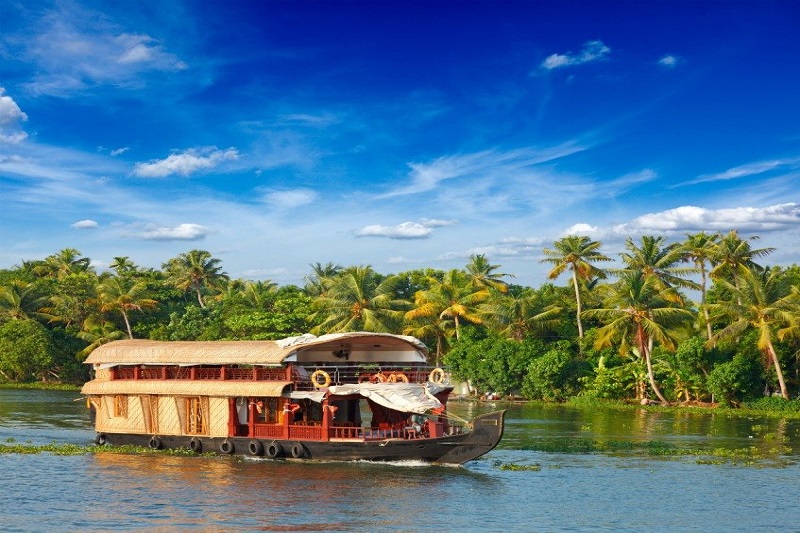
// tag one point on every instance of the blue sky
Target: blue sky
(396, 134)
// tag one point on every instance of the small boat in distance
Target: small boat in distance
(345, 396)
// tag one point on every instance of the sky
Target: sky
(400, 135)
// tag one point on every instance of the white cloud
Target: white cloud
(592, 51)
(185, 163)
(406, 230)
(84, 224)
(750, 169)
(669, 61)
(425, 177)
(691, 218)
(290, 199)
(583, 229)
(11, 118)
(74, 50)
(182, 232)
(119, 151)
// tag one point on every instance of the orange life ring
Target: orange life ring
(379, 378)
(315, 379)
(436, 376)
(400, 378)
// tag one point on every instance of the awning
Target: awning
(403, 397)
(186, 387)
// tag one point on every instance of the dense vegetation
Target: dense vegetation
(628, 333)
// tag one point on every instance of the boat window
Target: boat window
(267, 410)
(121, 406)
(195, 422)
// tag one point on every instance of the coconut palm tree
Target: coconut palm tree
(321, 277)
(62, 264)
(765, 302)
(123, 266)
(118, 295)
(482, 273)
(654, 257)
(699, 248)
(576, 253)
(454, 297)
(431, 327)
(359, 299)
(98, 331)
(734, 257)
(637, 312)
(21, 301)
(516, 315)
(195, 271)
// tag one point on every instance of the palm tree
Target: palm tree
(482, 273)
(21, 301)
(734, 257)
(319, 281)
(97, 331)
(117, 295)
(638, 312)
(359, 299)
(576, 253)
(516, 315)
(63, 263)
(123, 266)
(454, 298)
(195, 271)
(763, 302)
(655, 258)
(699, 249)
(427, 327)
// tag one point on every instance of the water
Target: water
(557, 492)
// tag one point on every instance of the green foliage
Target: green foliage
(26, 350)
(736, 380)
(773, 404)
(555, 376)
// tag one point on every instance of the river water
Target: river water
(557, 469)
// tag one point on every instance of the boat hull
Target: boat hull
(452, 449)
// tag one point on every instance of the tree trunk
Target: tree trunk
(703, 302)
(778, 371)
(650, 374)
(578, 302)
(127, 323)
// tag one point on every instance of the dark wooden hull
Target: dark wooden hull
(454, 449)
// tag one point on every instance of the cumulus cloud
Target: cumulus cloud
(11, 119)
(592, 51)
(290, 198)
(406, 230)
(181, 232)
(583, 229)
(186, 163)
(84, 224)
(691, 218)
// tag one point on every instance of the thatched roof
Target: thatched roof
(140, 352)
(186, 388)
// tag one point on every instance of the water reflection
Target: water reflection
(570, 491)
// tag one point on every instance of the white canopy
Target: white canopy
(403, 397)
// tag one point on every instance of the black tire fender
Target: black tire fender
(255, 447)
(227, 447)
(196, 445)
(274, 450)
(298, 450)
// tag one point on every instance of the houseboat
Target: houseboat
(348, 396)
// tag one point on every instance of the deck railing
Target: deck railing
(301, 376)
